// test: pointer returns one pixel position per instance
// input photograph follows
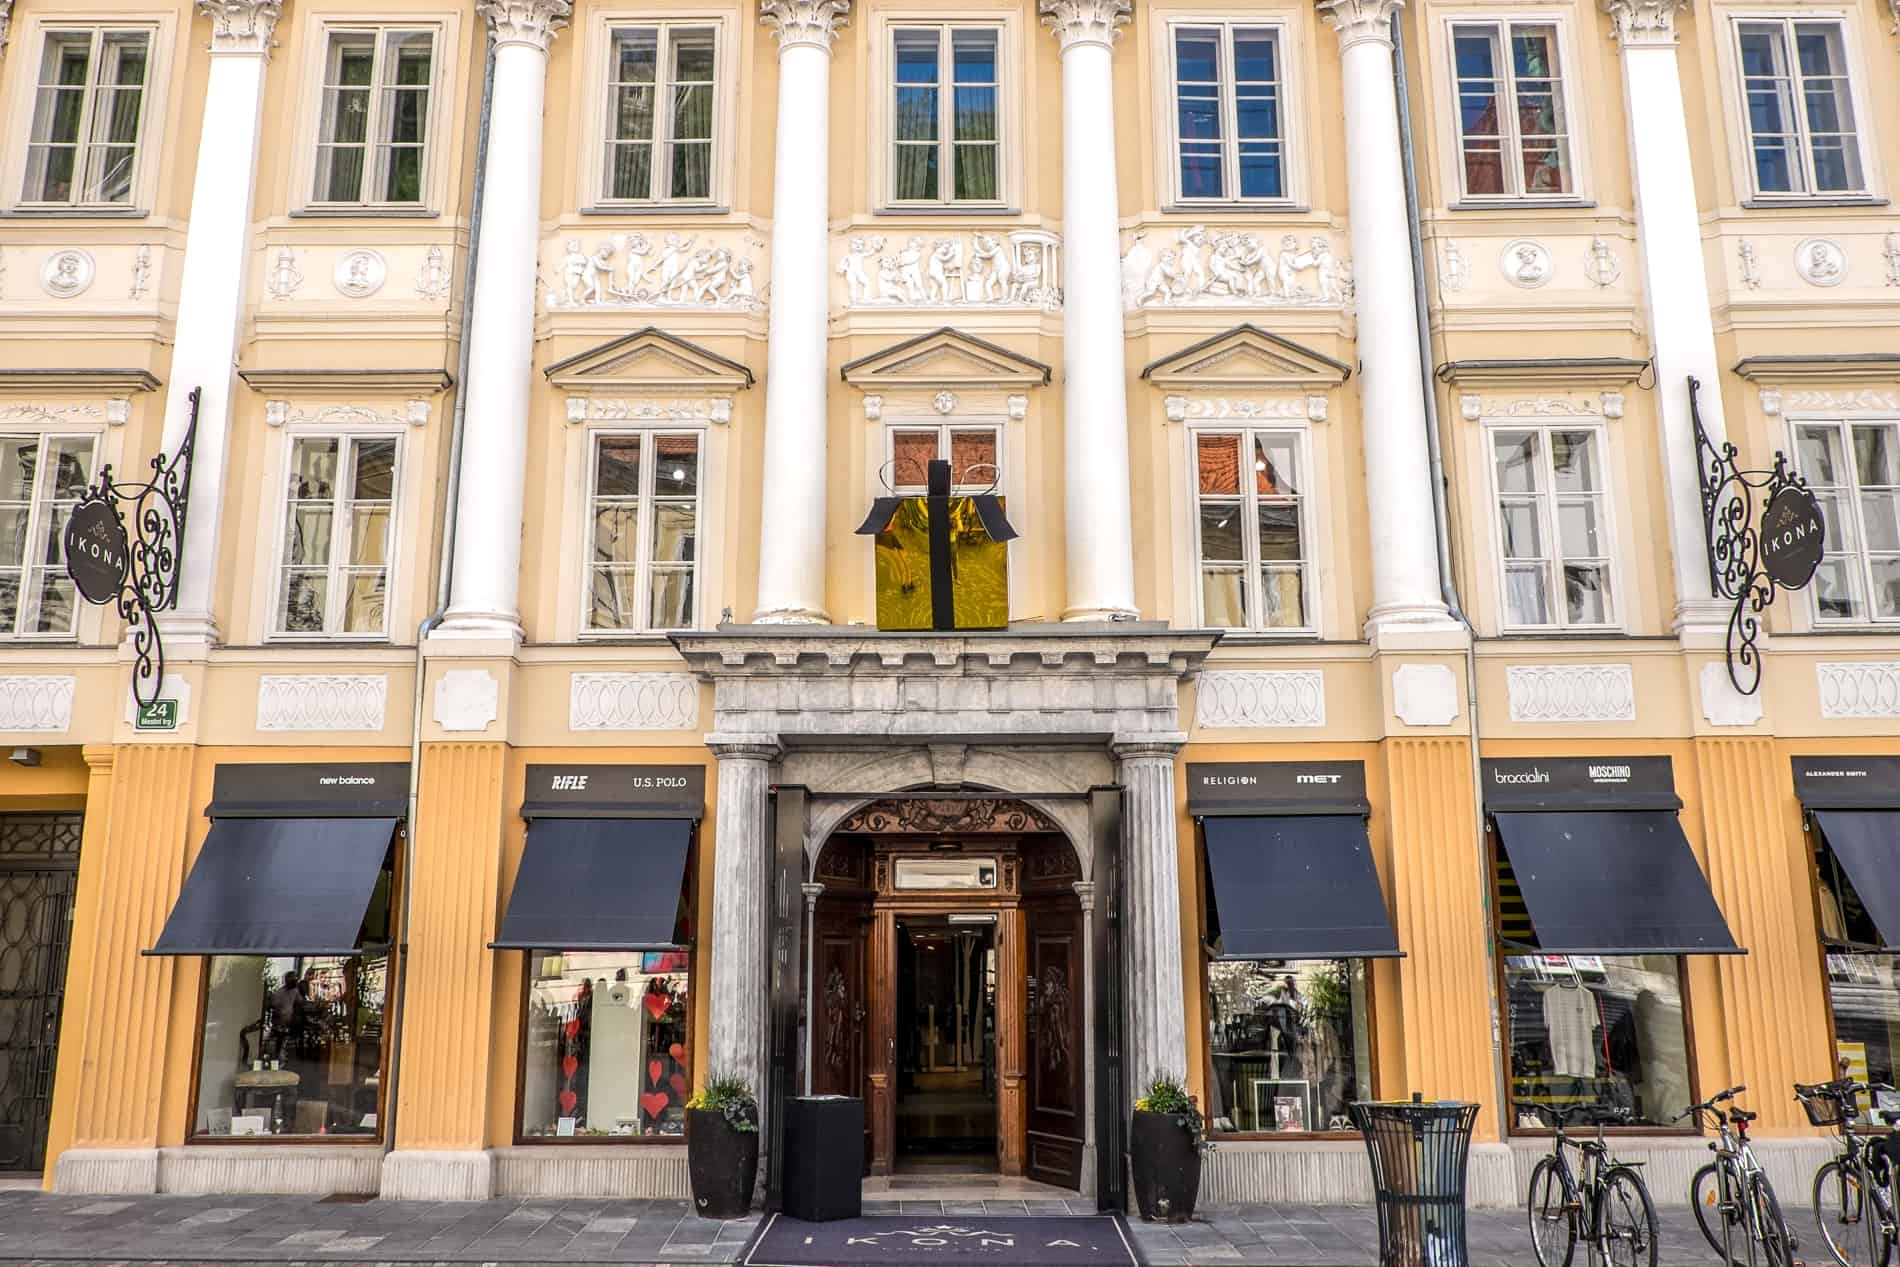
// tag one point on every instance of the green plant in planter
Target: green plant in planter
(731, 1097)
(1167, 1095)
(1330, 992)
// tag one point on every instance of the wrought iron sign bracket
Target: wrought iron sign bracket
(138, 576)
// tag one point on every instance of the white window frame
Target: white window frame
(661, 144)
(944, 431)
(97, 31)
(1547, 525)
(643, 559)
(36, 509)
(340, 528)
(1843, 426)
(946, 109)
(1511, 141)
(1856, 92)
(1284, 52)
(1252, 595)
(374, 126)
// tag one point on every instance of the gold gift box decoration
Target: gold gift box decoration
(942, 561)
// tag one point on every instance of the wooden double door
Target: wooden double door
(1040, 1058)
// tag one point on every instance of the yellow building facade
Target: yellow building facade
(528, 751)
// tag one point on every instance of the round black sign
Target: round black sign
(1792, 534)
(96, 551)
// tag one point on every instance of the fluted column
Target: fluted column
(1097, 509)
(1675, 287)
(792, 522)
(742, 881)
(1405, 593)
(210, 293)
(1151, 910)
(484, 597)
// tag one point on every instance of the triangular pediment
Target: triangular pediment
(945, 358)
(1246, 356)
(651, 359)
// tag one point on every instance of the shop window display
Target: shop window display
(606, 1051)
(1863, 985)
(1290, 1044)
(1606, 1030)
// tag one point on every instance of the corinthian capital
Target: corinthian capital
(1644, 22)
(530, 22)
(1359, 20)
(1085, 21)
(813, 22)
(241, 26)
(6, 19)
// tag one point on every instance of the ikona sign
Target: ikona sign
(1792, 536)
(96, 551)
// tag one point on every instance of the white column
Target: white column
(1405, 593)
(211, 293)
(742, 882)
(1097, 510)
(484, 594)
(1151, 910)
(1680, 328)
(792, 531)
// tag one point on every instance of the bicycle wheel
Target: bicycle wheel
(1553, 1223)
(1771, 1230)
(1705, 1198)
(1626, 1228)
(1850, 1226)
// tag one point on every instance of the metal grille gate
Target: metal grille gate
(39, 861)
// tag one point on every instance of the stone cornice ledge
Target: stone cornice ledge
(130, 379)
(741, 649)
(1845, 367)
(1562, 371)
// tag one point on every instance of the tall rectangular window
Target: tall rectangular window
(1799, 107)
(1251, 539)
(1854, 472)
(1513, 129)
(643, 517)
(372, 143)
(945, 110)
(88, 110)
(41, 478)
(1552, 532)
(338, 519)
(607, 1053)
(1228, 94)
(661, 83)
(1289, 1044)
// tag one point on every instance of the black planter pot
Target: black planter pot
(1167, 1166)
(723, 1164)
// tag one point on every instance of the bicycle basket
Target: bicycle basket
(1827, 1106)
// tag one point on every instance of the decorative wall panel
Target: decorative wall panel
(1571, 692)
(1261, 698)
(632, 701)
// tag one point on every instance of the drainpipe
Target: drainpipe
(451, 510)
(1447, 578)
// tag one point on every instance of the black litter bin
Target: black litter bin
(1419, 1153)
(824, 1158)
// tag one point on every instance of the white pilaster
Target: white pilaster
(1151, 911)
(1674, 285)
(484, 593)
(211, 291)
(1405, 593)
(742, 881)
(1097, 509)
(792, 532)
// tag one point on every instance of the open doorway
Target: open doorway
(946, 1042)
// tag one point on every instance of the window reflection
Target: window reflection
(607, 1051)
(1291, 1044)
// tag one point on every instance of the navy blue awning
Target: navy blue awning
(279, 886)
(1867, 843)
(1603, 883)
(1295, 887)
(598, 884)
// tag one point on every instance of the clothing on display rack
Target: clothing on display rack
(1570, 1018)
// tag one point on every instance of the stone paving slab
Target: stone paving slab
(298, 1231)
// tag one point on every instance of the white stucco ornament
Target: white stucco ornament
(1821, 262)
(432, 279)
(466, 700)
(977, 270)
(360, 274)
(1208, 268)
(812, 22)
(1525, 263)
(528, 22)
(1456, 273)
(1722, 704)
(680, 270)
(241, 26)
(1602, 268)
(1425, 694)
(1085, 21)
(1750, 265)
(67, 273)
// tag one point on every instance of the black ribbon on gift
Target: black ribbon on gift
(989, 509)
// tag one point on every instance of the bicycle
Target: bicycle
(1733, 1189)
(1841, 1186)
(1605, 1199)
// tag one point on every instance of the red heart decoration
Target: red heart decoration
(655, 1102)
(678, 1083)
(655, 1069)
(569, 1063)
(657, 1003)
(678, 1052)
(568, 1100)
(574, 1028)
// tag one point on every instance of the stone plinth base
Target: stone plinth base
(319, 1169)
(426, 1175)
(107, 1171)
(634, 1170)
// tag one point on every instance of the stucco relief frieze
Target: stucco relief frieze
(1085, 21)
(1260, 698)
(1864, 400)
(241, 26)
(35, 702)
(1474, 407)
(632, 701)
(1644, 22)
(676, 270)
(528, 22)
(413, 413)
(1245, 409)
(1858, 689)
(322, 701)
(1020, 269)
(54, 413)
(717, 409)
(812, 22)
(1212, 268)
(1571, 692)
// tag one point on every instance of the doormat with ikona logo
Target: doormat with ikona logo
(966, 1240)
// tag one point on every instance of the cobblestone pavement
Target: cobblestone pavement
(38, 1228)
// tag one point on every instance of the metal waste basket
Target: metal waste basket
(824, 1158)
(1419, 1153)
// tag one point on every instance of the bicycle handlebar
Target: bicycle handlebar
(1709, 1105)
